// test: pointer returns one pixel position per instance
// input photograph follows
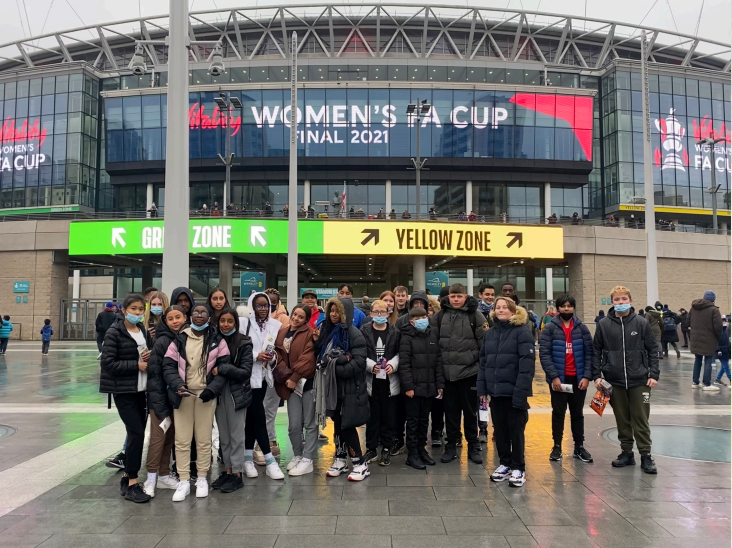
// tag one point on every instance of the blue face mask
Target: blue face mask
(421, 324)
(156, 310)
(230, 332)
(379, 320)
(622, 308)
(199, 327)
(134, 319)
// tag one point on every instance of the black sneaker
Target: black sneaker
(117, 462)
(370, 456)
(474, 454)
(194, 471)
(222, 479)
(415, 462)
(582, 454)
(436, 438)
(424, 456)
(124, 485)
(234, 483)
(624, 459)
(397, 448)
(449, 455)
(136, 494)
(385, 459)
(648, 465)
(483, 436)
(556, 453)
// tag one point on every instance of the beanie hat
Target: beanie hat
(709, 295)
(109, 305)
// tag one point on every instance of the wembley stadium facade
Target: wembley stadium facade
(522, 107)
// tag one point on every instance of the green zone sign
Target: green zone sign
(204, 236)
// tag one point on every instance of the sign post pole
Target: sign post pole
(292, 269)
(651, 251)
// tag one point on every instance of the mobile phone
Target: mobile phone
(151, 322)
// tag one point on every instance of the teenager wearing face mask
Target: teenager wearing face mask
(193, 389)
(217, 301)
(158, 303)
(565, 351)
(390, 300)
(161, 441)
(124, 364)
(276, 308)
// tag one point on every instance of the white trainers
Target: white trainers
(501, 473)
(338, 467)
(305, 466)
(167, 482)
(293, 463)
(359, 472)
(710, 388)
(517, 479)
(250, 470)
(149, 487)
(696, 385)
(201, 488)
(273, 471)
(99, 357)
(182, 491)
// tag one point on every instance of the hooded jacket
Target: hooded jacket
(280, 314)
(390, 338)
(684, 317)
(420, 361)
(46, 333)
(553, 349)
(5, 328)
(104, 321)
(705, 323)
(248, 326)
(723, 350)
(157, 388)
(670, 335)
(359, 318)
(624, 350)
(177, 292)
(507, 360)
(417, 295)
(238, 372)
(459, 344)
(655, 319)
(120, 359)
(299, 362)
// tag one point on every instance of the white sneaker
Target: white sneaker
(167, 482)
(293, 463)
(201, 488)
(182, 491)
(149, 487)
(710, 388)
(501, 473)
(720, 383)
(303, 467)
(359, 472)
(250, 470)
(338, 467)
(273, 471)
(99, 357)
(517, 479)
(696, 385)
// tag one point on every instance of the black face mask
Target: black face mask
(273, 307)
(566, 316)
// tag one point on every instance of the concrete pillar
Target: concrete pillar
(306, 193)
(419, 276)
(530, 283)
(547, 212)
(621, 222)
(226, 273)
(722, 227)
(75, 292)
(468, 209)
(403, 275)
(270, 275)
(147, 277)
(150, 199)
(393, 281)
(387, 207)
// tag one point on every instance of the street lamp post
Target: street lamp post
(225, 102)
(709, 141)
(415, 111)
(292, 260)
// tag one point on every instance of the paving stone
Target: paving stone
(339, 508)
(320, 541)
(709, 510)
(105, 541)
(695, 528)
(652, 510)
(484, 526)
(198, 525)
(23, 541)
(361, 491)
(282, 525)
(172, 540)
(438, 508)
(451, 480)
(559, 536)
(65, 523)
(391, 525)
(463, 541)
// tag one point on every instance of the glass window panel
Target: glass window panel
(261, 74)
(34, 106)
(151, 111)
(22, 89)
(476, 74)
(279, 74)
(132, 145)
(375, 72)
(398, 73)
(76, 82)
(437, 74)
(496, 75)
(132, 112)
(457, 74)
(705, 89)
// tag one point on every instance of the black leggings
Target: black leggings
(346, 440)
(132, 409)
(255, 426)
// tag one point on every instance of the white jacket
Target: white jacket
(260, 372)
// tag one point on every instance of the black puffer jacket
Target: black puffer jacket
(391, 354)
(104, 321)
(420, 362)
(238, 372)
(416, 295)
(624, 350)
(459, 344)
(157, 388)
(120, 359)
(507, 360)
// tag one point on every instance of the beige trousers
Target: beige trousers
(193, 417)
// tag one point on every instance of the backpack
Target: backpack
(669, 324)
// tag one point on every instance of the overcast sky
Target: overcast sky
(716, 20)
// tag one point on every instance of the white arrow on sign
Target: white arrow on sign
(117, 237)
(256, 235)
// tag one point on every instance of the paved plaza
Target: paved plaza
(56, 432)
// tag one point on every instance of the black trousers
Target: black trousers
(461, 399)
(401, 417)
(346, 440)
(44, 346)
(418, 421)
(665, 346)
(255, 424)
(687, 337)
(100, 341)
(437, 414)
(380, 428)
(509, 425)
(132, 409)
(576, 402)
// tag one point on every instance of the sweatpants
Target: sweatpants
(256, 422)
(346, 440)
(161, 443)
(418, 422)
(44, 346)
(132, 409)
(301, 414)
(509, 426)
(232, 428)
(631, 407)
(271, 405)
(461, 399)
(193, 418)
(380, 428)
(437, 415)
(575, 401)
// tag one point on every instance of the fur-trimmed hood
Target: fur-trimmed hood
(519, 318)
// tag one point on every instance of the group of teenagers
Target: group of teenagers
(412, 361)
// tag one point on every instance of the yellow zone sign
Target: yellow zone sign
(436, 238)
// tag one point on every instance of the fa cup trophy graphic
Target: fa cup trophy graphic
(671, 134)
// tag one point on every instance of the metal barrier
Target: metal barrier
(78, 317)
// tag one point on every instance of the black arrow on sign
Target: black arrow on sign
(373, 234)
(517, 237)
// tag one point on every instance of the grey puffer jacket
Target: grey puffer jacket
(459, 343)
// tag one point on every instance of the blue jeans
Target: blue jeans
(3, 345)
(708, 360)
(724, 368)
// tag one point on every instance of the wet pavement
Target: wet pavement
(57, 492)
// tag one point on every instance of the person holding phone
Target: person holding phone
(159, 303)
(124, 362)
(193, 388)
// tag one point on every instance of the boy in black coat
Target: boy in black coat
(422, 379)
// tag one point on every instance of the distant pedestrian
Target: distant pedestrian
(654, 317)
(104, 321)
(46, 332)
(684, 316)
(5, 328)
(600, 315)
(670, 333)
(723, 353)
(706, 327)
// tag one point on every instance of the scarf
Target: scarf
(337, 338)
(261, 322)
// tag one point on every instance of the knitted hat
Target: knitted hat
(109, 305)
(709, 295)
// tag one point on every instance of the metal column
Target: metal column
(651, 252)
(292, 261)
(468, 209)
(419, 277)
(226, 274)
(547, 213)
